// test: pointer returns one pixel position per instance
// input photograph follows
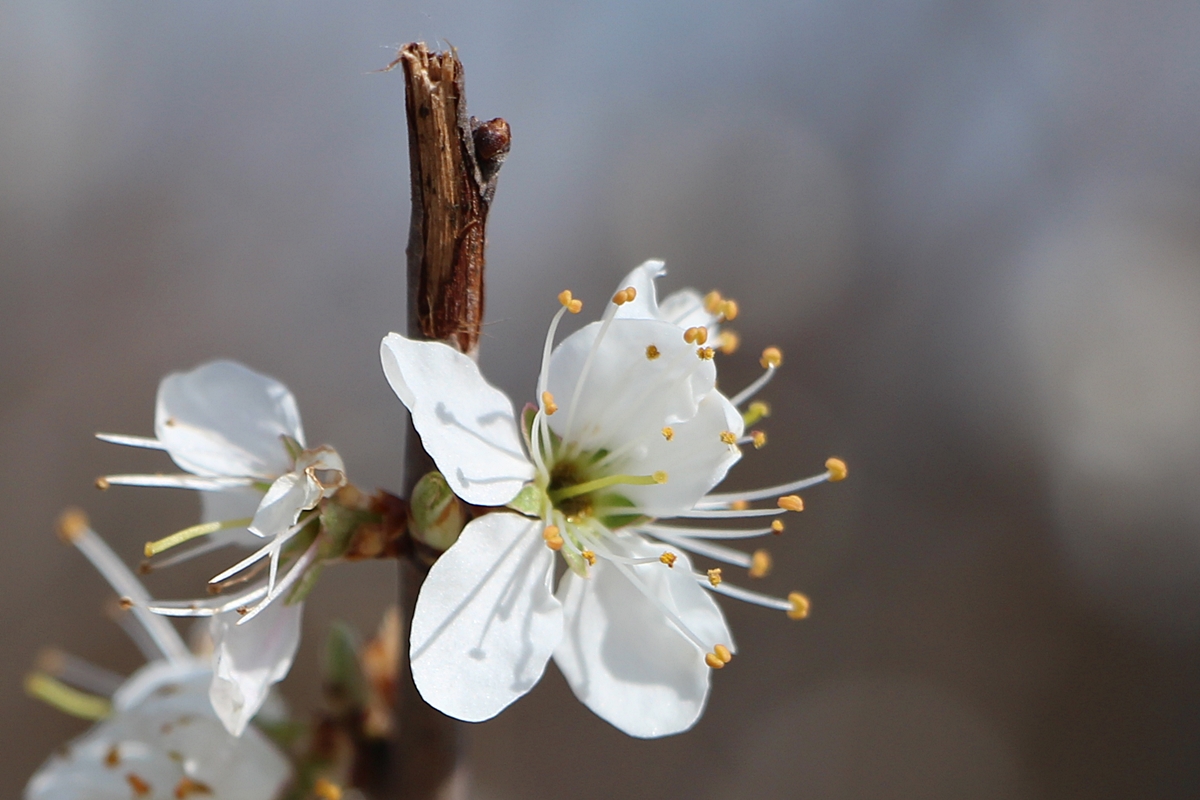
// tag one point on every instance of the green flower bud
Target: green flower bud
(437, 515)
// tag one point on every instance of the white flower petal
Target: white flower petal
(627, 397)
(685, 308)
(644, 305)
(248, 659)
(466, 425)
(224, 419)
(621, 655)
(695, 459)
(281, 505)
(486, 620)
(170, 718)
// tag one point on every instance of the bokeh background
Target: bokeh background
(971, 226)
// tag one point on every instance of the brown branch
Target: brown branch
(453, 164)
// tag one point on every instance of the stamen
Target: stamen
(294, 574)
(696, 335)
(659, 531)
(739, 505)
(702, 512)
(771, 357)
(729, 437)
(195, 531)
(196, 482)
(713, 660)
(759, 438)
(74, 527)
(272, 548)
(777, 526)
(188, 787)
(609, 480)
(652, 352)
(207, 608)
(800, 606)
(757, 410)
(553, 538)
(41, 686)
(668, 558)
(589, 557)
(668, 433)
(722, 652)
(836, 469)
(605, 322)
(729, 310)
(707, 549)
(753, 388)
(629, 573)
(705, 353)
(140, 787)
(624, 296)
(791, 502)
(719, 500)
(548, 403)
(760, 564)
(728, 342)
(569, 302)
(714, 577)
(712, 302)
(132, 441)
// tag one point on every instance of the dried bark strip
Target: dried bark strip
(453, 163)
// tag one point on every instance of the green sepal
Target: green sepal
(437, 516)
(304, 586)
(340, 524)
(343, 677)
(529, 501)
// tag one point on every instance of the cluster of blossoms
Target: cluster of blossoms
(612, 470)
(629, 432)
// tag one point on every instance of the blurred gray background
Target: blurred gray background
(971, 226)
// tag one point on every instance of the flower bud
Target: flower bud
(437, 515)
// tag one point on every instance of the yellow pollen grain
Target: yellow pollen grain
(729, 437)
(712, 301)
(548, 403)
(836, 468)
(188, 787)
(729, 310)
(739, 505)
(722, 652)
(713, 660)
(652, 352)
(668, 558)
(714, 576)
(327, 790)
(553, 539)
(800, 606)
(589, 557)
(790, 502)
(668, 433)
(777, 526)
(760, 564)
(728, 342)
(760, 439)
(706, 353)
(771, 357)
(72, 523)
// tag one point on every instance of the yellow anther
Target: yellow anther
(739, 505)
(553, 538)
(659, 476)
(701, 335)
(836, 468)
(189, 788)
(632, 293)
(722, 652)
(756, 411)
(729, 437)
(569, 302)
(714, 576)
(760, 439)
(760, 564)
(728, 342)
(713, 660)
(790, 502)
(548, 403)
(140, 787)
(624, 296)
(668, 558)
(652, 352)
(706, 353)
(776, 526)
(729, 309)
(102, 483)
(668, 433)
(771, 357)
(589, 557)
(112, 759)
(575, 307)
(691, 335)
(800, 606)
(327, 790)
(72, 524)
(712, 302)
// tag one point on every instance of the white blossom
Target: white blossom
(629, 429)
(237, 434)
(161, 738)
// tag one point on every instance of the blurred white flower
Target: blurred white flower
(628, 428)
(238, 435)
(160, 736)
